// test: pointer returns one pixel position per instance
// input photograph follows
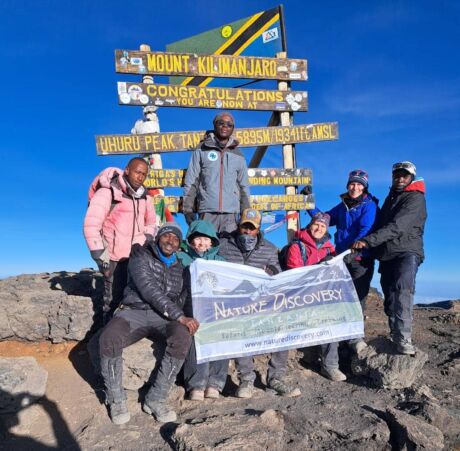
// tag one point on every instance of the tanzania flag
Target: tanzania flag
(259, 35)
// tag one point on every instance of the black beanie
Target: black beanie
(169, 227)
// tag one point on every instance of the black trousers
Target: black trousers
(129, 326)
(398, 285)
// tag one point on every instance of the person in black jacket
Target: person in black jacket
(398, 244)
(247, 246)
(152, 305)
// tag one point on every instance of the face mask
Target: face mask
(137, 194)
(247, 242)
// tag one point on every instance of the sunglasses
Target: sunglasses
(358, 173)
(222, 123)
(397, 166)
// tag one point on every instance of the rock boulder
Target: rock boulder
(409, 432)
(22, 382)
(385, 368)
(57, 306)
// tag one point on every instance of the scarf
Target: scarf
(168, 261)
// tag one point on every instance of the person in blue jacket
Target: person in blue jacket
(354, 218)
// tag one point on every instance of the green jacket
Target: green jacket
(200, 227)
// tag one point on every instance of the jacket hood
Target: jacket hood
(202, 227)
(211, 142)
(210, 254)
(418, 184)
(111, 178)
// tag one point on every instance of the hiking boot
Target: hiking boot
(196, 395)
(119, 413)
(161, 411)
(405, 346)
(111, 371)
(211, 393)
(333, 374)
(245, 389)
(358, 346)
(283, 389)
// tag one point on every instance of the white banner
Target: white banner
(243, 311)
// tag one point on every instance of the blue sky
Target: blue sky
(388, 72)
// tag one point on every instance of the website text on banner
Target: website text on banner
(243, 311)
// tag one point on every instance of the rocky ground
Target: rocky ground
(48, 317)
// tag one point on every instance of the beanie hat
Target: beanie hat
(321, 217)
(169, 227)
(220, 115)
(358, 176)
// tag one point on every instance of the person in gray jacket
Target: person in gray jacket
(247, 246)
(216, 184)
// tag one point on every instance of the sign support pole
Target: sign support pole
(286, 119)
(155, 157)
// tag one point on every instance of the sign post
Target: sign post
(209, 71)
(286, 119)
(148, 79)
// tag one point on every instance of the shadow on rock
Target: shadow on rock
(9, 418)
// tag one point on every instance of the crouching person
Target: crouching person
(247, 246)
(206, 379)
(151, 306)
(312, 245)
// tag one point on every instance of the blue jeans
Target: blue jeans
(276, 367)
(204, 375)
(398, 284)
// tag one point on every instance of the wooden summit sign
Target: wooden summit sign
(182, 141)
(171, 178)
(261, 202)
(225, 66)
(195, 97)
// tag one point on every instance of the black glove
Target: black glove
(271, 270)
(349, 258)
(306, 190)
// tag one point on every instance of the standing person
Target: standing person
(206, 379)
(152, 306)
(120, 214)
(398, 244)
(354, 217)
(216, 183)
(316, 244)
(247, 246)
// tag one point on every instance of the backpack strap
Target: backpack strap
(303, 250)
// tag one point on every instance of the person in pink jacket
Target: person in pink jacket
(311, 246)
(120, 214)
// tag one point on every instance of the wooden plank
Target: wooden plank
(222, 66)
(261, 202)
(170, 178)
(182, 141)
(162, 95)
